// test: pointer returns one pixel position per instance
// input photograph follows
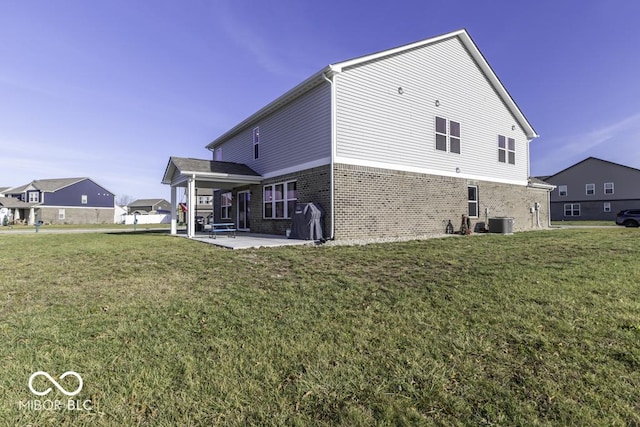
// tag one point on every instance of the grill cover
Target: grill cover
(306, 222)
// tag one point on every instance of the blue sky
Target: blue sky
(112, 89)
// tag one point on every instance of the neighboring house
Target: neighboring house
(204, 203)
(149, 206)
(66, 201)
(395, 143)
(594, 189)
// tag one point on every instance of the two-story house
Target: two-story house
(395, 143)
(148, 206)
(594, 189)
(66, 201)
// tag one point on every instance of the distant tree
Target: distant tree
(124, 200)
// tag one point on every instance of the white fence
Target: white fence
(148, 219)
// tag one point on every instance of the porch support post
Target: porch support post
(191, 199)
(174, 211)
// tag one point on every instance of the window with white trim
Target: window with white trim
(506, 150)
(572, 209)
(225, 205)
(607, 206)
(279, 200)
(34, 197)
(562, 190)
(590, 189)
(61, 214)
(472, 200)
(608, 188)
(84, 199)
(256, 142)
(447, 135)
(204, 200)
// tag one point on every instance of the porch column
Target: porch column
(191, 199)
(174, 210)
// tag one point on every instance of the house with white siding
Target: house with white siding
(395, 143)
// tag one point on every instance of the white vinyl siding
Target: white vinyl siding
(378, 123)
(298, 133)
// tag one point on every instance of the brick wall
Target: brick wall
(76, 215)
(372, 202)
(313, 185)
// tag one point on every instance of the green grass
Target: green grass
(536, 328)
(584, 223)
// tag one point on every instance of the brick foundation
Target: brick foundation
(372, 202)
(76, 215)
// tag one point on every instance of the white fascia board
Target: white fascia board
(426, 171)
(225, 177)
(297, 168)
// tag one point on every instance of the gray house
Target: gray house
(149, 206)
(594, 189)
(395, 143)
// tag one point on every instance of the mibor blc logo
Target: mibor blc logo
(55, 404)
(55, 383)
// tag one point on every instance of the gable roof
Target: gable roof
(13, 203)
(50, 185)
(208, 169)
(147, 202)
(333, 69)
(591, 159)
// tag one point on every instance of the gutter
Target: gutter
(333, 155)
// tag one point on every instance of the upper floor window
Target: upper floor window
(562, 190)
(506, 150)
(608, 188)
(590, 189)
(84, 199)
(34, 197)
(256, 142)
(447, 135)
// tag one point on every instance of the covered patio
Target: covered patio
(250, 240)
(197, 173)
(16, 210)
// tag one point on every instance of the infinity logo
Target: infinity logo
(55, 383)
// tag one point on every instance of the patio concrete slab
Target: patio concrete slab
(250, 240)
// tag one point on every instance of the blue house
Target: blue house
(65, 201)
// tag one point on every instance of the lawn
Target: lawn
(537, 328)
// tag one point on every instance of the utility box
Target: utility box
(501, 225)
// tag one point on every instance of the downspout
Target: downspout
(333, 153)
